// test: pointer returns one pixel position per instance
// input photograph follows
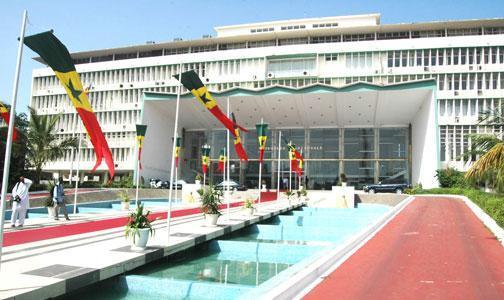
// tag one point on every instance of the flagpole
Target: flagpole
(260, 172)
(78, 170)
(175, 131)
(279, 162)
(10, 132)
(227, 162)
(137, 175)
(290, 170)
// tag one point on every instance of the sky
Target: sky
(91, 24)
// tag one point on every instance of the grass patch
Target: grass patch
(492, 204)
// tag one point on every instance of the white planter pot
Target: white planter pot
(51, 211)
(343, 184)
(197, 181)
(263, 188)
(211, 219)
(141, 241)
(250, 211)
(125, 205)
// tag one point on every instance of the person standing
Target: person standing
(59, 199)
(20, 201)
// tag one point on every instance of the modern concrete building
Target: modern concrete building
(374, 101)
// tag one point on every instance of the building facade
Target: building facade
(397, 70)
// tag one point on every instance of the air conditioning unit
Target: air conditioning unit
(207, 79)
(254, 77)
(479, 68)
(271, 75)
(470, 68)
(305, 73)
(456, 93)
(376, 71)
(426, 69)
(480, 92)
(457, 119)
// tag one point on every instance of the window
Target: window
(393, 35)
(358, 37)
(293, 41)
(331, 57)
(290, 67)
(325, 39)
(427, 34)
(464, 31)
(359, 143)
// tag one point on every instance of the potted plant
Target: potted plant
(343, 179)
(125, 200)
(198, 179)
(289, 194)
(139, 227)
(210, 201)
(248, 205)
(263, 185)
(301, 193)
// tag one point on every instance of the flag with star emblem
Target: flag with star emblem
(4, 112)
(222, 160)
(240, 151)
(140, 134)
(205, 158)
(296, 159)
(178, 144)
(191, 81)
(56, 55)
(262, 136)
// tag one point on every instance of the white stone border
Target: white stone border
(481, 214)
(298, 285)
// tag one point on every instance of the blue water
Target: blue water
(242, 263)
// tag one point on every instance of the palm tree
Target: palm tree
(43, 145)
(490, 166)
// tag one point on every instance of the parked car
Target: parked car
(233, 185)
(159, 184)
(178, 184)
(397, 188)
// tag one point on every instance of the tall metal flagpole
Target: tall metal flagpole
(279, 162)
(290, 169)
(10, 131)
(175, 131)
(260, 174)
(227, 163)
(77, 171)
(137, 174)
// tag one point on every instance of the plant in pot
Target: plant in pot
(210, 201)
(125, 199)
(198, 179)
(343, 179)
(289, 194)
(248, 205)
(139, 227)
(301, 194)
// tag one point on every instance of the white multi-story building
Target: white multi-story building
(374, 101)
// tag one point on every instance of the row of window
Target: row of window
(310, 40)
(449, 56)
(467, 107)
(106, 118)
(471, 81)
(88, 155)
(455, 140)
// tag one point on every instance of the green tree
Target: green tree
(18, 154)
(43, 145)
(490, 165)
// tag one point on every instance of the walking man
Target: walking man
(20, 201)
(59, 199)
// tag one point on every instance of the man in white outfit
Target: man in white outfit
(20, 201)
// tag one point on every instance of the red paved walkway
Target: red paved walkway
(434, 249)
(32, 235)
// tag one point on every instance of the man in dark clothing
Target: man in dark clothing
(59, 199)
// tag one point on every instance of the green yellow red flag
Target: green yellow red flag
(191, 81)
(205, 158)
(178, 144)
(262, 136)
(140, 135)
(4, 112)
(222, 160)
(56, 55)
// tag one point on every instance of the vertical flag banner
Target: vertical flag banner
(140, 134)
(191, 81)
(240, 151)
(292, 157)
(262, 136)
(4, 112)
(300, 166)
(205, 158)
(222, 160)
(56, 55)
(178, 144)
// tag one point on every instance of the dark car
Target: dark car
(233, 186)
(397, 188)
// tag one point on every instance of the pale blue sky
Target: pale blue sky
(92, 24)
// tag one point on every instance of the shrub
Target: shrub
(450, 178)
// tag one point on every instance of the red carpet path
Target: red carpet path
(32, 235)
(436, 248)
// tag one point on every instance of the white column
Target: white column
(279, 163)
